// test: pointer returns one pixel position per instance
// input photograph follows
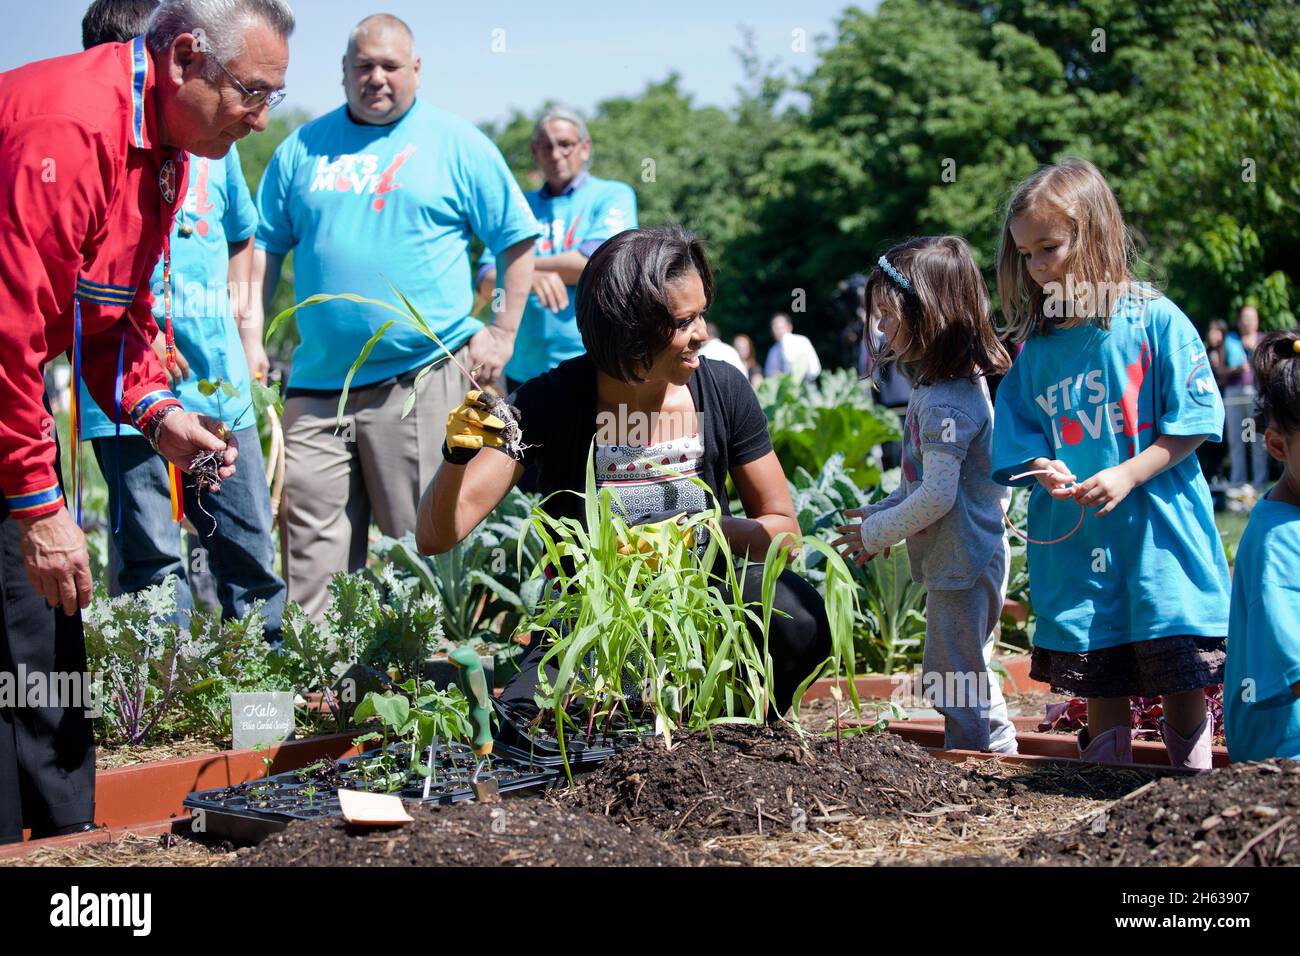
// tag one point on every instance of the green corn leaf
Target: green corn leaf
(361, 360)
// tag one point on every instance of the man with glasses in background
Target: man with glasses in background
(211, 254)
(92, 173)
(577, 212)
(386, 189)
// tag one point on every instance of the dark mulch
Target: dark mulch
(520, 832)
(1244, 815)
(697, 790)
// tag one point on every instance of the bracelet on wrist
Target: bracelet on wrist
(153, 426)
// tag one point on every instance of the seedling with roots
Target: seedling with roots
(409, 317)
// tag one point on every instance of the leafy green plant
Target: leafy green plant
(311, 659)
(833, 415)
(134, 641)
(416, 720)
(652, 636)
(225, 657)
(483, 582)
(889, 620)
(1015, 635)
(406, 628)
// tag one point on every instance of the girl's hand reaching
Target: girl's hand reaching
(850, 545)
(1055, 476)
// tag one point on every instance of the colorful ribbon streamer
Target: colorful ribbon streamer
(75, 407)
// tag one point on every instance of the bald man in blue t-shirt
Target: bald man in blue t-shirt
(387, 189)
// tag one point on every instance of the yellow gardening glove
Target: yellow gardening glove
(645, 537)
(470, 426)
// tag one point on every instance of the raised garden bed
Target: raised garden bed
(149, 797)
(885, 686)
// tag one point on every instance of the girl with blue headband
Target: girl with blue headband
(933, 310)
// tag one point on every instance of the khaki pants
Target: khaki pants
(375, 466)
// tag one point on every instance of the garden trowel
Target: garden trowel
(473, 683)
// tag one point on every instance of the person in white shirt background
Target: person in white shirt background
(792, 354)
(715, 348)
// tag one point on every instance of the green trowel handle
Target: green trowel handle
(473, 683)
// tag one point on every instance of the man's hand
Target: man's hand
(1106, 488)
(183, 435)
(489, 351)
(550, 290)
(470, 426)
(54, 554)
(177, 373)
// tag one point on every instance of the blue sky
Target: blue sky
(577, 53)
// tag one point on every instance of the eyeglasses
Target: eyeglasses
(253, 99)
(564, 148)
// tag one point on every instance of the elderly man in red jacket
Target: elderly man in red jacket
(91, 173)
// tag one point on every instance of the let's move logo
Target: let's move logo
(360, 174)
(76, 909)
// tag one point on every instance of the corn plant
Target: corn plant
(409, 317)
(650, 634)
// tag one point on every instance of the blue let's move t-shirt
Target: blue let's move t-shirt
(363, 206)
(579, 219)
(1153, 567)
(218, 210)
(1261, 714)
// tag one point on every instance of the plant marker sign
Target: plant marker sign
(261, 718)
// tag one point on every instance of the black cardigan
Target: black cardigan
(557, 414)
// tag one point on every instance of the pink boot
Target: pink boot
(1114, 746)
(1195, 753)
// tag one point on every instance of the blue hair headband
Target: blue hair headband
(894, 274)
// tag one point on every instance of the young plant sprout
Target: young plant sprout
(204, 466)
(409, 317)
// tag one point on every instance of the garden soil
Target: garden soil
(513, 832)
(698, 789)
(1242, 815)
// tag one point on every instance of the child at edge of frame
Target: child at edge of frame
(936, 323)
(1261, 689)
(1105, 407)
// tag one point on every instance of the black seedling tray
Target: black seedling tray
(541, 750)
(248, 812)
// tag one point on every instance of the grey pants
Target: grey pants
(376, 466)
(957, 680)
